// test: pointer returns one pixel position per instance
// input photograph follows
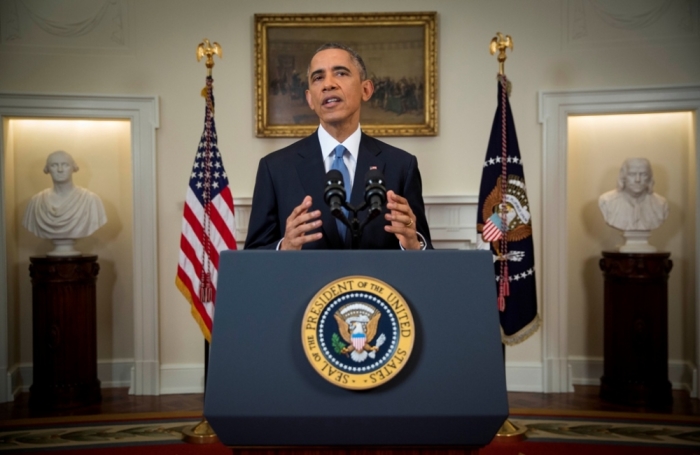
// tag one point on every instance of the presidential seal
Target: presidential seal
(357, 332)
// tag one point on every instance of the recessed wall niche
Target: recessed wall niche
(597, 147)
(560, 369)
(102, 150)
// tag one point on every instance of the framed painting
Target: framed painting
(399, 50)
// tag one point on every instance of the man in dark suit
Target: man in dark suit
(289, 212)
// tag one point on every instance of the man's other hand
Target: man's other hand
(403, 221)
(299, 223)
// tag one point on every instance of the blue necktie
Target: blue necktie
(339, 165)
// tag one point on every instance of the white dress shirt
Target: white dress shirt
(351, 144)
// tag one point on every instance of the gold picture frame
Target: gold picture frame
(400, 53)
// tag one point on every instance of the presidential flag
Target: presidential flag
(504, 226)
(207, 223)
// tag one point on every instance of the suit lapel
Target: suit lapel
(310, 169)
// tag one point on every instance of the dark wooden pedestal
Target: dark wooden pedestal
(636, 329)
(64, 332)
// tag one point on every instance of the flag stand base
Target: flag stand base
(200, 434)
(509, 432)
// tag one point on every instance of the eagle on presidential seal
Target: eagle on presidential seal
(357, 324)
(518, 218)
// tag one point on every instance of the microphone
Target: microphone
(334, 194)
(375, 191)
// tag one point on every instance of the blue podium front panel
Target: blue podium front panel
(262, 390)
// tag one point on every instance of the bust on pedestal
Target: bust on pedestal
(65, 212)
(634, 207)
(63, 291)
(635, 365)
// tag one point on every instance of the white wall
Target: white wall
(559, 44)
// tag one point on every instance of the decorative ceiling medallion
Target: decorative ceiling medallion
(358, 332)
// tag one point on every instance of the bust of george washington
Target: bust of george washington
(64, 212)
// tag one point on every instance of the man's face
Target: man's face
(60, 167)
(336, 90)
(638, 177)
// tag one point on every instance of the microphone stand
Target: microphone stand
(336, 198)
(353, 223)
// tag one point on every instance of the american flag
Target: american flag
(207, 223)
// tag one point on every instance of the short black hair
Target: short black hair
(354, 55)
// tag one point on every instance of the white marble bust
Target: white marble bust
(633, 206)
(64, 212)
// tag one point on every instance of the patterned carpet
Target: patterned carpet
(605, 431)
(598, 429)
(93, 436)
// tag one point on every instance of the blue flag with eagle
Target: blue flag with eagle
(504, 226)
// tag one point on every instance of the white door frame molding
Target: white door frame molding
(554, 109)
(142, 112)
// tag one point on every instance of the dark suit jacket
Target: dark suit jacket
(286, 176)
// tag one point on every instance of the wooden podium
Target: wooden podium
(64, 332)
(636, 329)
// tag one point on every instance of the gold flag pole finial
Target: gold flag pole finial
(208, 49)
(500, 43)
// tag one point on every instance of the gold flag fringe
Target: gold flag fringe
(522, 334)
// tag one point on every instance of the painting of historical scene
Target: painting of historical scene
(394, 57)
(398, 61)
